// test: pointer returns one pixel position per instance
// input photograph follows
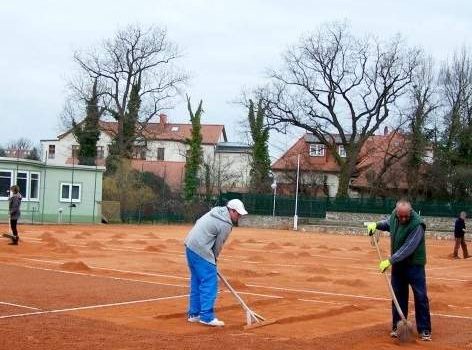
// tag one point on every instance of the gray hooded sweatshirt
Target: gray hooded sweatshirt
(209, 233)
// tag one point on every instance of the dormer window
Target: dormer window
(317, 150)
(342, 151)
(175, 128)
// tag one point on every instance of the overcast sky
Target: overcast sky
(227, 46)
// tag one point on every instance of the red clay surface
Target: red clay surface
(125, 287)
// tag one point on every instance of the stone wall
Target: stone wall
(432, 223)
(344, 224)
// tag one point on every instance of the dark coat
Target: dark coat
(14, 203)
(459, 228)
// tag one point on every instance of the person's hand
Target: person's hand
(384, 265)
(371, 227)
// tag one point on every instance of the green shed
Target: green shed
(52, 193)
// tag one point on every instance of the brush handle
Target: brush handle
(231, 289)
(390, 288)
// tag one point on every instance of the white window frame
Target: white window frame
(317, 150)
(11, 180)
(69, 199)
(49, 153)
(163, 153)
(29, 186)
(342, 151)
(102, 151)
(26, 196)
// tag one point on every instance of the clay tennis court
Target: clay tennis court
(125, 287)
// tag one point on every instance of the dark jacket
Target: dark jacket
(459, 228)
(14, 203)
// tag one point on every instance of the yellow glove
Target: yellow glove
(384, 265)
(371, 227)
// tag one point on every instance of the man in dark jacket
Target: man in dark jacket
(408, 259)
(459, 231)
(14, 203)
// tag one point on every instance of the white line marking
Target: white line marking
(433, 278)
(452, 316)
(94, 306)
(318, 292)
(178, 253)
(18, 305)
(261, 295)
(111, 269)
(100, 276)
(325, 302)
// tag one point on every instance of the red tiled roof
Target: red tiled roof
(288, 161)
(169, 131)
(370, 161)
(172, 172)
(377, 151)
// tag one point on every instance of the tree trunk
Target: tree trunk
(345, 174)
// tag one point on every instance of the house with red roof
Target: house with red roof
(380, 168)
(162, 150)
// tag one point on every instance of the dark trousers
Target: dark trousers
(460, 242)
(13, 224)
(404, 275)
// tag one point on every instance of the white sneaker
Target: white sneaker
(193, 319)
(214, 323)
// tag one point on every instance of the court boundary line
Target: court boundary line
(19, 306)
(98, 306)
(112, 269)
(95, 275)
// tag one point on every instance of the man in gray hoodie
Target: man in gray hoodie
(203, 246)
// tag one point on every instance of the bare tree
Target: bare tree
(455, 81)
(20, 148)
(334, 82)
(135, 58)
(383, 161)
(220, 175)
(423, 101)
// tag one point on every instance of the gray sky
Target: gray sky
(228, 45)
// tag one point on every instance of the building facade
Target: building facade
(162, 149)
(52, 193)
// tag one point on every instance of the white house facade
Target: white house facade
(164, 152)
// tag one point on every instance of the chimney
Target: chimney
(163, 119)
(386, 131)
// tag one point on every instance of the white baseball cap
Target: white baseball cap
(237, 205)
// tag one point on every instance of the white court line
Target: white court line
(132, 249)
(261, 295)
(433, 278)
(18, 305)
(186, 295)
(111, 269)
(325, 302)
(168, 252)
(94, 306)
(318, 292)
(452, 316)
(100, 276)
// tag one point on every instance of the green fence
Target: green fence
(261, 204)
(138, 217)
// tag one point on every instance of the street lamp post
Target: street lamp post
(274, 188)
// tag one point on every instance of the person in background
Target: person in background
(459, 232)
(408, 260)
(14, 203)
(202, 247)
